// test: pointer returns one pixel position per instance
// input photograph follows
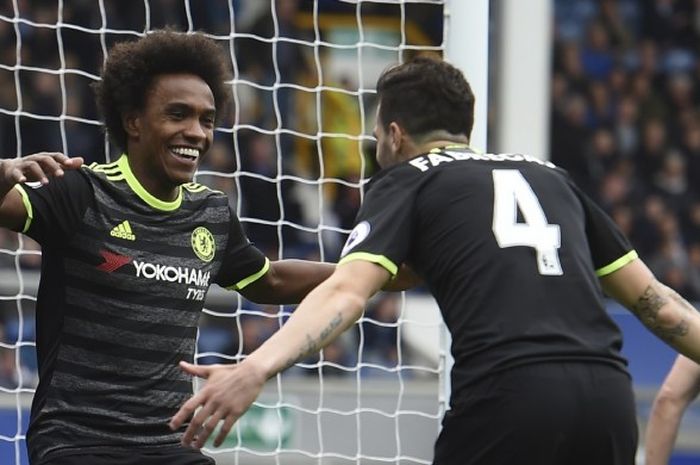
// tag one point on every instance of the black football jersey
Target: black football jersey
(123, 281)
(509, 247)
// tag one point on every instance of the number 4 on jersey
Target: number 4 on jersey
(511, 192)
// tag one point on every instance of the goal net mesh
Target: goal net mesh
(294, 154)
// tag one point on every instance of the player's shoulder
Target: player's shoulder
(105, 171)
(96, 167)
(200, 196)
(399, 175)
(196, 190)
(418, 169)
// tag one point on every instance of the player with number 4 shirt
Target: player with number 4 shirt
(517, 258)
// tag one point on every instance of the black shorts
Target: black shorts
(167, 455)
(543, 414)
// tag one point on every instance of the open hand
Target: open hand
(38, 167)
(227, 394)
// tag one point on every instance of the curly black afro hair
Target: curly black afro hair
(131, 67)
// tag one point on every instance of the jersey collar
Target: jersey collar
(142, 193)
(464, 147)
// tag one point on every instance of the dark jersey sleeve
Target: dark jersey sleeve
(609, 247)
(243, 262)
(384, 226)
(56, 209)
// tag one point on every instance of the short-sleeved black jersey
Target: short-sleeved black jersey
(509, 248)
(124, 276)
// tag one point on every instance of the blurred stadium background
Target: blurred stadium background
(608, 89)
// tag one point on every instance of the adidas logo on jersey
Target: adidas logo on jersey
(123, 231)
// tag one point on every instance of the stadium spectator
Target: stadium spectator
(129, 251)
(596, 56)
(626, 126)
(536, 354)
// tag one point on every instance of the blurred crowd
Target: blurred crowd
(625, 122)
(293, 167)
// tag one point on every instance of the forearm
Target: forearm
(665, 313)
(300, 277)
(288, 281)
(662, 430)
(678, 390)
(323, 315)
(668, 315)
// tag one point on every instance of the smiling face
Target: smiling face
(167, 139)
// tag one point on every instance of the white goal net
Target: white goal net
(294, 155)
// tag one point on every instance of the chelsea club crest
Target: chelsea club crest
(203, 243)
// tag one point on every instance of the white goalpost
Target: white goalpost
(294, 155)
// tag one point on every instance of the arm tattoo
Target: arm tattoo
(312, 345)
(647, 310)
(684, 304)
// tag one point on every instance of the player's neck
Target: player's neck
(159, 187)
(412, 147)
(427, 146)
(436, 139)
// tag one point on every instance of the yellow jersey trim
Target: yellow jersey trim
(139, 190)
(369, 257)
(617, 264)
(252, 278)
(27, 206)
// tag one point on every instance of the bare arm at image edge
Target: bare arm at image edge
(681, 386)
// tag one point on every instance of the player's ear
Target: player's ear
(132, 124)
(395, 136)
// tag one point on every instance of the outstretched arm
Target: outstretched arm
(39, 167)
(323, 315)
(287, 281)
(679, 389)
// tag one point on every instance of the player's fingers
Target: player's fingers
(62, 161)
(196, 370)
(225, 428)
(196, 424)
(50, 166)
(189, 435)
(73, 162)
(33, 172)
(16, 176)
(58, 157)
(207, 428)
(185, 411)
